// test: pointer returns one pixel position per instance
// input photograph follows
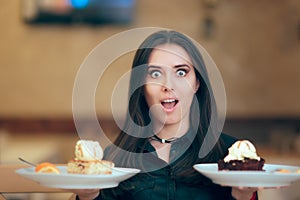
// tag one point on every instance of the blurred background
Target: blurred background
(255, 44)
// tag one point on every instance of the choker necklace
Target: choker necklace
(170, 140)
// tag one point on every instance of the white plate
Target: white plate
(267, 178)
(65, 180)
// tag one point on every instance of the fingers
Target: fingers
(256, 188)
(248, 188)
(86, 194)
(242, 193)
(261, 188)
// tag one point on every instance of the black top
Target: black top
(166, 183)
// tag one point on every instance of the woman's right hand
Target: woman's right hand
(86, 194)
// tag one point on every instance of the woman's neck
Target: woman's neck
(171, 131)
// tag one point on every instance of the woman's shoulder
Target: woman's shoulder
(109, 150)
(227, 140)
(114, 154)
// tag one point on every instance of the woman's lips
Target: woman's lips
(169, 104)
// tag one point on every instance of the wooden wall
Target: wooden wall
(255, 44)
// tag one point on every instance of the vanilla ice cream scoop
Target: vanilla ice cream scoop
(241, 150)
(87, 150)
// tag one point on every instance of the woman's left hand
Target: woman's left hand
(243, 193)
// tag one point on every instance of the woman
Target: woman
(171, 110)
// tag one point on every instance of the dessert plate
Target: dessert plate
(267, 178)
(65, 180)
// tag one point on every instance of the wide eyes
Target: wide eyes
(156, 73)
(181, 72)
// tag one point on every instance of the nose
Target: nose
(168, 84)
(167, 89)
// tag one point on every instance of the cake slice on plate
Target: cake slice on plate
(242, 156)
(88, 159)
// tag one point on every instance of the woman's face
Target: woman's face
(170, 85)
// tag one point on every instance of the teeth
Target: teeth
(169, 100)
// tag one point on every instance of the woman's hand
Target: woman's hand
(86, 194)
(243, 193)
(248, 192)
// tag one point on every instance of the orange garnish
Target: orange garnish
(283, 171)
(46, 167)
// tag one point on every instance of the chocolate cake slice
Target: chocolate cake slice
(242, 156)
(246, 164)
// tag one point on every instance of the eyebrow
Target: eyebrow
(176, 66)
(181, 65)
(153, 66)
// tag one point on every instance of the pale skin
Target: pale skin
(171, 78)
(170, 86)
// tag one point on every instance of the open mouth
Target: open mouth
(169, 104)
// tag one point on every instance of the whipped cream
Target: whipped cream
(241, 150)
(88, 150)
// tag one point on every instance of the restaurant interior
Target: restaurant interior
(254, 44)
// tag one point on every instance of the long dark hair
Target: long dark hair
(203, 107)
